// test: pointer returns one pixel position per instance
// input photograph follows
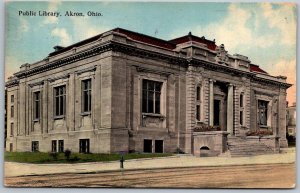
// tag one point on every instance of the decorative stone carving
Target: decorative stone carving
(221, 57)
(152, 121)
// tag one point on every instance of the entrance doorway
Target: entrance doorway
(147, 146)
(217, 109)
(159, 146)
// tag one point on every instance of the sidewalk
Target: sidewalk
(21, 169)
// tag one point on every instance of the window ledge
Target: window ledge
(85, 113)
(59, 117)
(153, 115)
(264, 126)
(36, 120)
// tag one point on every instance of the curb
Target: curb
(139, 169)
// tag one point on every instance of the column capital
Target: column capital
(212, 80)
(230, 85)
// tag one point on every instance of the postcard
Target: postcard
(150, 94)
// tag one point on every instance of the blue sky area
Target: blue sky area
(264, 32)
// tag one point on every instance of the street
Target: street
(240, 176)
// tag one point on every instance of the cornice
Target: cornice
(67, 60)
(220, 68)
(142, 53)
(12, 83)
(270, 82)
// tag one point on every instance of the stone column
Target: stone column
(230, 109)
(211, 102)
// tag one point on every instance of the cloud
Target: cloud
(23, 26)
(282, 18)
(288, 69)
(12, 64)
(258, 29)
(87, 29)
(259, 25)
(62, 33)
(53, 7)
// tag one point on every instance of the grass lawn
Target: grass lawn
(39, 157)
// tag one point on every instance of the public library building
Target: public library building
(122, 91)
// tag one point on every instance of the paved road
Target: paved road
(243, 176)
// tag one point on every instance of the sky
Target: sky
(264, 32)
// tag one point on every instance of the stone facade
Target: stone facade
(146, 95)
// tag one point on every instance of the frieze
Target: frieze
(142, 69)
(36, 84)
(90, 69)
(59, 77)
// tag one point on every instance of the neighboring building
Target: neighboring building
(291, 120)
(125, 91)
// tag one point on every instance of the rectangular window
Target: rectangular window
(12, 111)
(12, 99)
(159, 146)
(84, 145)
(241, 118)
(198, 93)
(198, 112)
(34, 146)
(86, 95)
(241, 100)
(147, 146)
(151, 96)
(11, 129)
(198, 103)
(54, 149)
(262, 112)
(36, 105)
(241, 109)
(11, 147)
(60, 146)
(60, 101)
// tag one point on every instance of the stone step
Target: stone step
(240, 147)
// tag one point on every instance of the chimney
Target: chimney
(57, 48)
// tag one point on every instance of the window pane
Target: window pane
(86, 95)
(262, 112)
(56, 106)
(89, 101)
(61, 146)
(53, 145)
(157, 86)
(198, 112)
(12, 109)
(11, 129)
(241, 117)
(241, 100)
(144, 84)
(198, 93)
(85, 101)
(150, 102)
(36, 115)
(151, 85)
(56, 92)
(157, 103)
(144, 101)
(63, 105)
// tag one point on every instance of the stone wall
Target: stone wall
(215, 141)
